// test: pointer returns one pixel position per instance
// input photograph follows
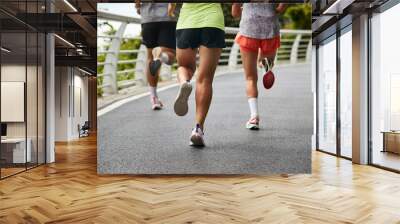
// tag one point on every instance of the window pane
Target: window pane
(386, 89)
(346, 93)
(14, 149)
(327, 97)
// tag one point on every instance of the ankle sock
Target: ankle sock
(253, 105)
(153, 91)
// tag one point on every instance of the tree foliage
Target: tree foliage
(297, 16)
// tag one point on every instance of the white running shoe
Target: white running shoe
(253, 123)
(181, 102)
(156, 104)
(197, 137)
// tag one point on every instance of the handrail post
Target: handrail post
(140, 67)
(309, 50)
(294, 50)
(233, 56)
(111, 62)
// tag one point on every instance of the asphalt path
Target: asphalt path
(133, 139)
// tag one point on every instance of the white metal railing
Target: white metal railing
(296, 46)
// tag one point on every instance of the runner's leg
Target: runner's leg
(249, 59)
(209, 58)
(186, 66)
(186, 59)
(153, 81)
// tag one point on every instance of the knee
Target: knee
(187, 69)
(201, 80)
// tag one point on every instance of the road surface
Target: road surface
(133, 139)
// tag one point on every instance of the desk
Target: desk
(391, 141)
(16, 148)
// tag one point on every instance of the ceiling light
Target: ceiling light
(79, 51)
(64, 40)
(5, 50)
(70, 5)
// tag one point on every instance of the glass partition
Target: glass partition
(385, 89)
(14, 153)
(327, 96)
(346, 93)
(22, 77)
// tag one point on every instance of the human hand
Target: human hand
(236, 10)
(260, 59)
(280, 8)
(171, 9)
(260, 62)
(137, 6)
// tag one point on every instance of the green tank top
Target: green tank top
(200, 15)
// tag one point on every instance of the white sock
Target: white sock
(164, 58)
(153, 91)
(253, 107)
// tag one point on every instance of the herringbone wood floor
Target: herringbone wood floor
(70, 191)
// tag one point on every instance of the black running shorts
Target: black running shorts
(159, 34)
(194, 37)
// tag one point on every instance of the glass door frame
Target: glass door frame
(30, 29)
(338, 34)
(387, 5)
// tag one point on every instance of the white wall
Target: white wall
(70, 83)
(33, 126)
(12, 73)
(79, 117)
(62, 82)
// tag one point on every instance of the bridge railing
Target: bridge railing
(295, 48)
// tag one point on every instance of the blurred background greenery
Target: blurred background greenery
(296, 16)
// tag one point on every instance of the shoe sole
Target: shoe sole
(196, 141)
(157, 107)
(154, 66)
(181, 102)
(253, 127)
